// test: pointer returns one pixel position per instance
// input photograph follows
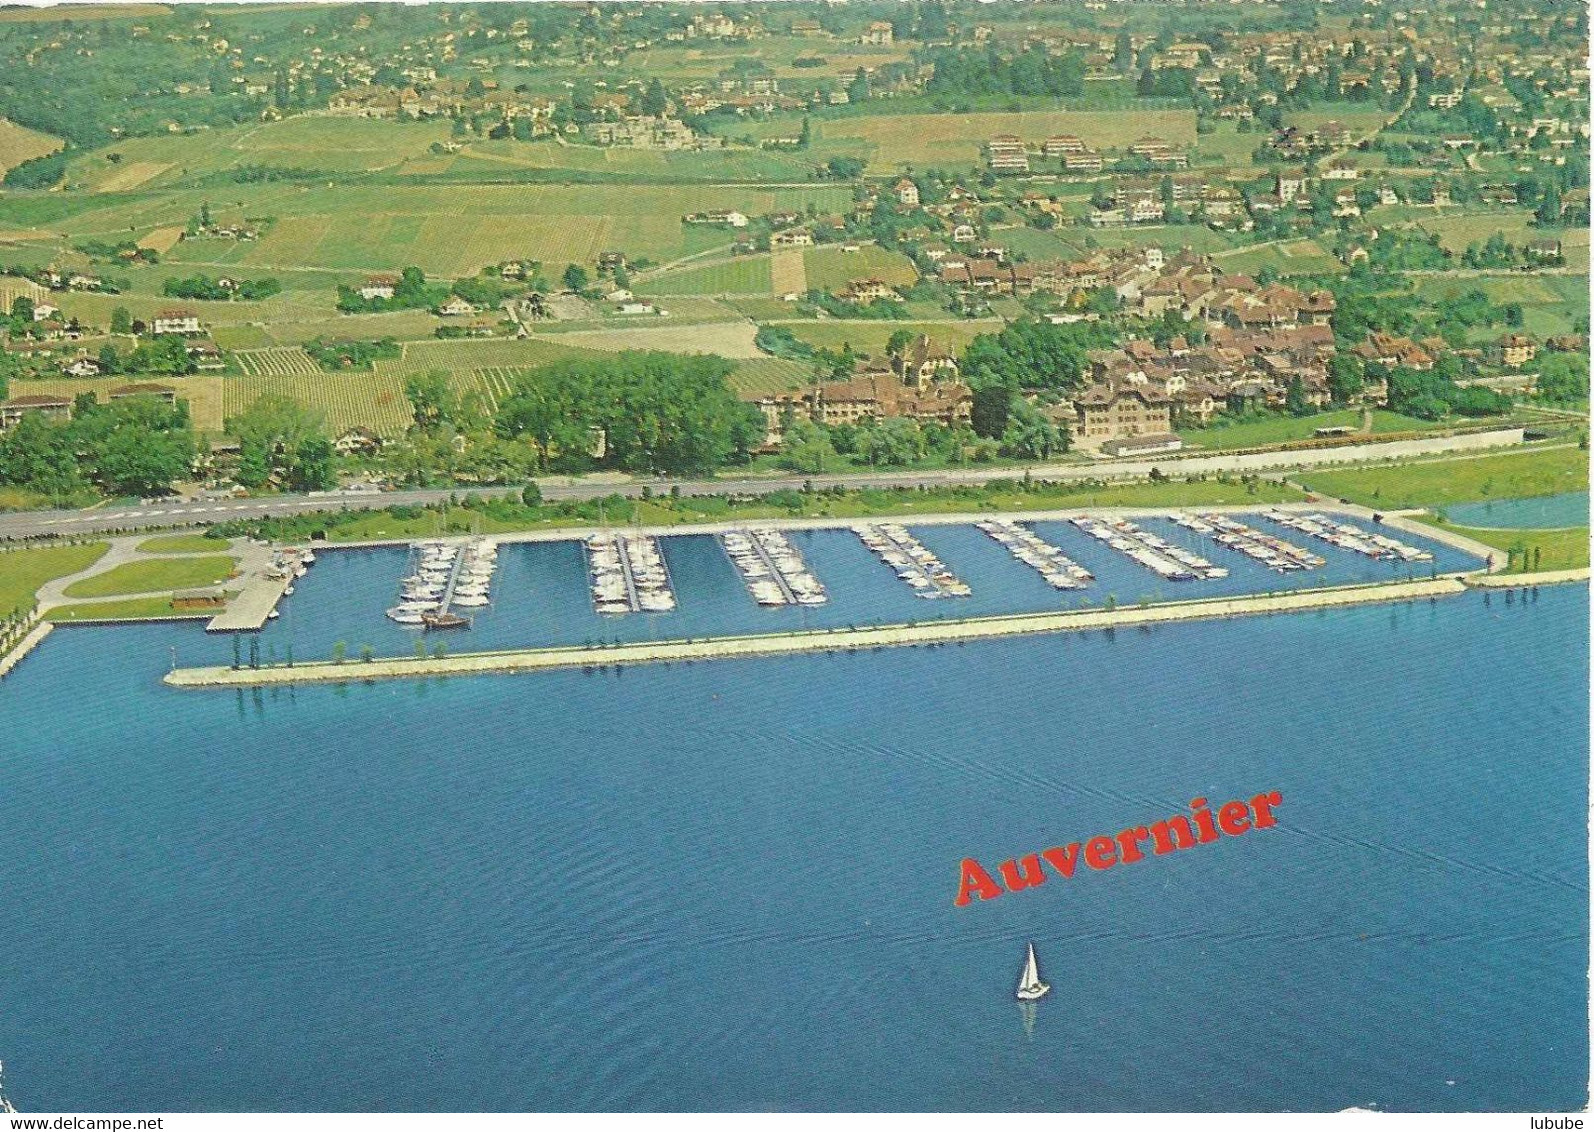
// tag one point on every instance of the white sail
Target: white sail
(1030, 986)
(1032, 974)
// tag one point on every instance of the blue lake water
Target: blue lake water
(729, 885)
(1569, 509)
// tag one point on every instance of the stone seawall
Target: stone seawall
(836, 640)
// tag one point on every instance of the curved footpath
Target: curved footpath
(831, 641)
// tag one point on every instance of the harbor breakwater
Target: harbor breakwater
(831, 640)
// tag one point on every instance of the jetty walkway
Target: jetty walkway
(807, 641)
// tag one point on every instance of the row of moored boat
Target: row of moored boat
(444, 575)
(1157, 554)
(773, 570)
(1270, 550)
(1347, 536)
(912, 561)
(628, 574)
(1060, 571)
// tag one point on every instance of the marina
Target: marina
(913, 562)
(1273, 552)
(1060, 571)
(1157, 554)
(628, 574)
(772, 569)
(1348, 536)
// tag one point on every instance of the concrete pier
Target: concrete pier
(834, 640)
(253, 605)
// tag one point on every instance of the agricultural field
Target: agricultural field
(871, 337)
(1458, 229)
(1294, 257)
(335, 145)
(1551, 304)
(203, 392)
(19, 144)
(466, 354)
(1362, 118)
(375, 401)
(831, 269)
(82, 12)
(757, 376)
(788, 272)
(745, 275)
(277, 361)
(726, 339)
(954, 140)
(496, 159)
(446, 230)
(1196, 237)
(1034, 244)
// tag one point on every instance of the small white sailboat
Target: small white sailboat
(1030, 986)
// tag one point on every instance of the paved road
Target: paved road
(32, 524)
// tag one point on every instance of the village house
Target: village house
(1392, 350)
(1105, 413)
(51, 405)
(877, 34)
(163, 393)
(1513, 351)
(378, 287)
(869, 291)
(357, 441)
(907, 193)
(176, 321)
(455, 307)
(794, 238)
(81, 366)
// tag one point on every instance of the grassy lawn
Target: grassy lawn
(155, 574)
(1280, 429)
(181, 544)
(128, 609)
(22, 572)
(1517, 475)
(1563, 549)
(854, 504)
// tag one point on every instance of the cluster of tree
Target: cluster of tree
(1563, 377)
(1497, 251)
(1030, 354)
(351, 355)
(640, 412)
(411, 292)
(123, 251)
(42, 276)
(203, 287)
(166, 355)
(780, 342)
(283, 443)
(1034, 71)
(133, 446)
(1433, 393)
(888, 309)
(37, 173)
